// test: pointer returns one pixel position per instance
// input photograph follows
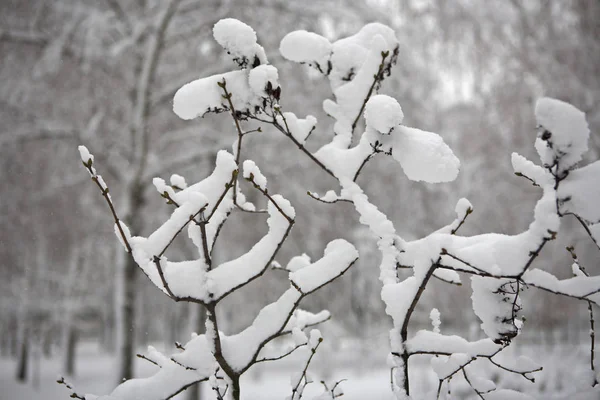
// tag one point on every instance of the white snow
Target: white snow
(434, 315)
(85, 154)
(306, 47)
(240, 349)
(430, 342)
(239, 40)
(344, 162)
(260, 77)
(507, 394)
(351, 95)
(350, 53)
(577, 286)
(523, 166)
(299, 128)
(337, 258)
(424, 156)
(162, 187)
(580, 192)
(299, 336)
(203, 95)
(252, 173)
(383, 113)
(213, 185)
(235, 273)
(462, 209)
(494, 309)
(178, 181)
(447, 275)
(351, 65)
(569, 132)
(446, 366)
(315, 337)
(298, 262)
(126, 231)
(303, 319)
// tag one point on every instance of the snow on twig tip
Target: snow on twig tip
(86, 156)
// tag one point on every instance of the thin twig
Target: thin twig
(462, 221)
(104, 190)
(378, 78)
(310, 194)
(297, 389)
(464, 371)
(300, 146)
(223, 85)
(571, 250)
(526, 177)
(265, 193)
(143, 357)
(287, 353)
(74, 395)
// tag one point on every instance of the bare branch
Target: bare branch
(104, 190)
(300, 146)
(298, 389)
(287, 353)
(143, 357)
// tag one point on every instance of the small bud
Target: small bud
(546, 135)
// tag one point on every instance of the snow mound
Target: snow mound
(239, 40)
(424, 156)
(306, 47)
(564, 134)
(383, 113)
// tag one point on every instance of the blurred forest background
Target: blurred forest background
(103, 73)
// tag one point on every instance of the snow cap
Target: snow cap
(569, 132)
(305, 47)
(383, 113)
(260, 77)
(239, 39)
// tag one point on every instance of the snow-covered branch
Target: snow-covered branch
(123, 232)
(500, 266)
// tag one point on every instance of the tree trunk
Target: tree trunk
(14, 337)
(5, 338)
(127, 325)
(36, 361)
(108, 331)
(195, 392)
(47, 342)
(70, 350)
(126, 301)
(23, 362)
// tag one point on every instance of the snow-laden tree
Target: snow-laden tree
(500, 266)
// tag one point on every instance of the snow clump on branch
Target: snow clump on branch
(564, 132)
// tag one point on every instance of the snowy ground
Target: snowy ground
(367, 377)
(96, 374)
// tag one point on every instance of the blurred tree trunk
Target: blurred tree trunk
(71, 350)
(47, 341)
(127, 316)
(138, 120)
(5, 337)
(23, 361)
(14, 336)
